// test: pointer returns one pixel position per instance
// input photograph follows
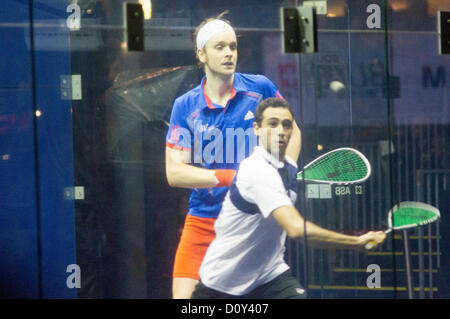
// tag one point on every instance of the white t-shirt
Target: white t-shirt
(248, 250)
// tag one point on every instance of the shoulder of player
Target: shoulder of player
(255, 168)
(189, 100)
(290, 161)
(254, 81)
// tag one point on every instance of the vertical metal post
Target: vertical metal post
(407, 264)
(438, 233)
(421, 267)
(430, 262)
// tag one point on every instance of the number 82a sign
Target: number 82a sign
(347, 190)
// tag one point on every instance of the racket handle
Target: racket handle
(371, 243)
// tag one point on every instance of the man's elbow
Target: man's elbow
(170, 181)
(170, 175)
(295, 231)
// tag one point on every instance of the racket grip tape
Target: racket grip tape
(371, 243)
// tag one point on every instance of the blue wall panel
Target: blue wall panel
(19, 262)
(37, 232)
(18, 215)
(54, 130)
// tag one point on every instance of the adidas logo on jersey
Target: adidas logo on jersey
(249, 115)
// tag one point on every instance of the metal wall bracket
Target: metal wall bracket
(134, 26)
(74, 193)
(443, 18)
(299, 30)
(320, 5)
(71, 87)
(321, 191)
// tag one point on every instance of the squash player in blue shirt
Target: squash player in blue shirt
(210, 133)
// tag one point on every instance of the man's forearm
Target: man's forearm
(180, 173)
(320, 237)
(188, 176)
(295, 143)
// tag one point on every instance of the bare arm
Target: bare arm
(295, 143)
(291, 220)
(181, 174)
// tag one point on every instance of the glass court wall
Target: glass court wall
(83, 122)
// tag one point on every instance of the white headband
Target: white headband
(209, 30)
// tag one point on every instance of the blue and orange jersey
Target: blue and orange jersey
(218, 137)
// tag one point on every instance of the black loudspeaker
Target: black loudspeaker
(134, 26)
(444, 31)
(299, 29)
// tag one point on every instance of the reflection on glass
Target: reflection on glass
(381, 90)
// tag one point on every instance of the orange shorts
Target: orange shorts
(197, 234)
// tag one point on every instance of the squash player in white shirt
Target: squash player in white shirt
(246, 259)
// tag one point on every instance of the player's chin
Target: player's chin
(281, 146)
(228, 71)
(278, 150)
(228, 68)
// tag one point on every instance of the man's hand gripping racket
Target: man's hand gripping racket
(373, 238)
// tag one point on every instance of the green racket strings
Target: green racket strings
(405, 216)
(342, 165)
